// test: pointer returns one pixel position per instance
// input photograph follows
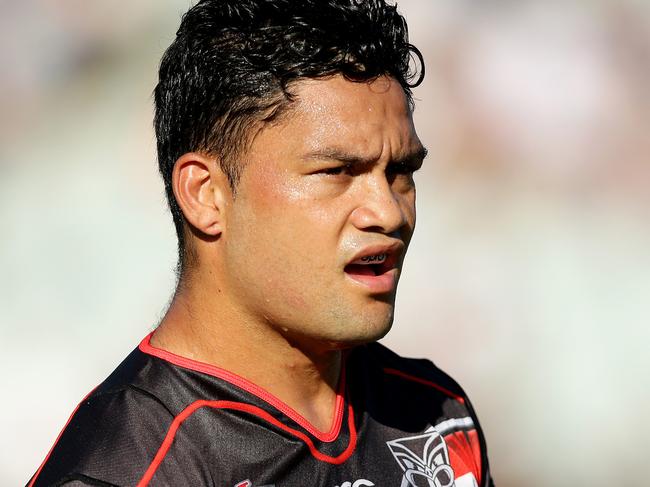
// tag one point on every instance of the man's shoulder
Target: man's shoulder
(108, 434)
(416, 397)
(138, 386)
(384, 361)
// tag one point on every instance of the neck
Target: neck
(207, 329)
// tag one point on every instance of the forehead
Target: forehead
(372, 117)
(351, 98)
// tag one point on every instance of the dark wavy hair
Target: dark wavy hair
(232, 63)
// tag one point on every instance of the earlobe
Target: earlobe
(198, 181)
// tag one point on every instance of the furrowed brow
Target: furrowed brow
(339, 156)
(414, 158)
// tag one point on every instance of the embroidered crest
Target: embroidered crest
(424, 459)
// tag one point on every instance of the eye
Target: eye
(335, 171)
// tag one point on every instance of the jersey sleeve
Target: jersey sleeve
(109, 440)
(460, 424)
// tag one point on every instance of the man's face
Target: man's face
(314, 239)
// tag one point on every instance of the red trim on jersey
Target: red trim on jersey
(465, 453)
(327, 437)
(419, 380)
(38, 472)
(248, 408)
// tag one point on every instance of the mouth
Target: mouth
(369, 265)
(375, 267)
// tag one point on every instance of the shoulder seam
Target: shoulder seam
(152, 396)
(134, 388)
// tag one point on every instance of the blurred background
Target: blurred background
(528, 278)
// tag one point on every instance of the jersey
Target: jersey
(164, 420)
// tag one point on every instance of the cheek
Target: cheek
(406, 201)
(264, 191)
(412, 211)
(301, 215)
(292, 233)
(285, 242)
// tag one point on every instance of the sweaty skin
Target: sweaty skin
(270, 298)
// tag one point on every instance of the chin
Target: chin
(365, 332)
(342, 327)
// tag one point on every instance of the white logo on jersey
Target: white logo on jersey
(430, 466)
(357, 483)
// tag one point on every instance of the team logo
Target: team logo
(424, 459)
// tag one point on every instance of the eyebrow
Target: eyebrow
(414, 157)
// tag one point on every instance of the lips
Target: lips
(375, 267)
(369, 265)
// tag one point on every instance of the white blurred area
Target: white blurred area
(528, 278)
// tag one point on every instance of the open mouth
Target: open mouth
(370, 265)
(376, 267)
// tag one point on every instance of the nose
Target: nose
(382, 209)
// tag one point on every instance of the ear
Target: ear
(199, 187)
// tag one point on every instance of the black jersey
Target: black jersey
(163, 420)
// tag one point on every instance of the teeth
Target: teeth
(371, 259)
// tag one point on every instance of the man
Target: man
(287, 148)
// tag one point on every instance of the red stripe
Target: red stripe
(464, 453)
(38, 472)
(327, 437)
(192, 408)
(419, 380)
